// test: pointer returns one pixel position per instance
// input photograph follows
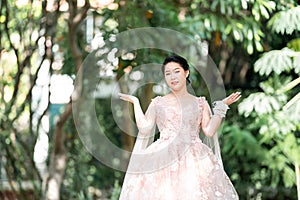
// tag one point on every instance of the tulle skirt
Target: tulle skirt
(194, 175)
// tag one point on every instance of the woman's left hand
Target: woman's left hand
(232, 98)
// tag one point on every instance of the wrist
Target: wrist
(135, 101)
(225, 102)
(220, 108)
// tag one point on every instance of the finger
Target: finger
(237, 98)
(233, 97)
(124, 99)
(123, 96)
(236, 94)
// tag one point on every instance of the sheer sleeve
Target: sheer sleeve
(206, 113)
(212, 142)
(146, 129)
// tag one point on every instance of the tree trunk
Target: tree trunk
(147, 95)
(128, 140)
(58, 159)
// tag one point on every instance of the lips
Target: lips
(174, 82)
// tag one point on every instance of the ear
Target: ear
(187, 72)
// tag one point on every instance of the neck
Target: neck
(180, 93)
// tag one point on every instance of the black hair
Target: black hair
(181, 61)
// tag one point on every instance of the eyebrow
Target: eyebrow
(167, 70)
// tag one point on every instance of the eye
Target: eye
(167, 74)
(177, 71)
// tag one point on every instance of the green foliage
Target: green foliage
(116, 191)
(150, 13)
(294, 44)
(19, 33)
(274, 115)
(107, 122)
(85, 176)
(276, 61)
(242, 156)
(275, 128)
(244, 143)
(259, 102)
(286, 21)
(276, 122)
(237, 21)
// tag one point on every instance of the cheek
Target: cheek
(180, 76)
(168, 79)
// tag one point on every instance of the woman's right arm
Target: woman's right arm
(145, 122)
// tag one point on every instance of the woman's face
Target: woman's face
(175, 76)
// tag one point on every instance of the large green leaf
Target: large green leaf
(241, 142)
(289, 177)
(280, 166)
(276, 61)
(260, 103)
(291, 147)
(286, 21)
(297, 64)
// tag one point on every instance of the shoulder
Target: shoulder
(201, 99)
(164, 97)
(202, 102)
(161, 100)
(156, 99)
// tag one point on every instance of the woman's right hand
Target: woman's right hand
(129, 98)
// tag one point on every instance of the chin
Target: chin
(176, 88)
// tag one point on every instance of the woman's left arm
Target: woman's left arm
(211, 122)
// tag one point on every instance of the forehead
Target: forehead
(172, 66)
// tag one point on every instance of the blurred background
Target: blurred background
(255, 45)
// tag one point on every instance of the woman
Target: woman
(177, 165)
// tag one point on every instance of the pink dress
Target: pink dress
(177, 166)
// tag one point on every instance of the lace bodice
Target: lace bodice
(175, 117)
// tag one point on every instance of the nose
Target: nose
(172, 76)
